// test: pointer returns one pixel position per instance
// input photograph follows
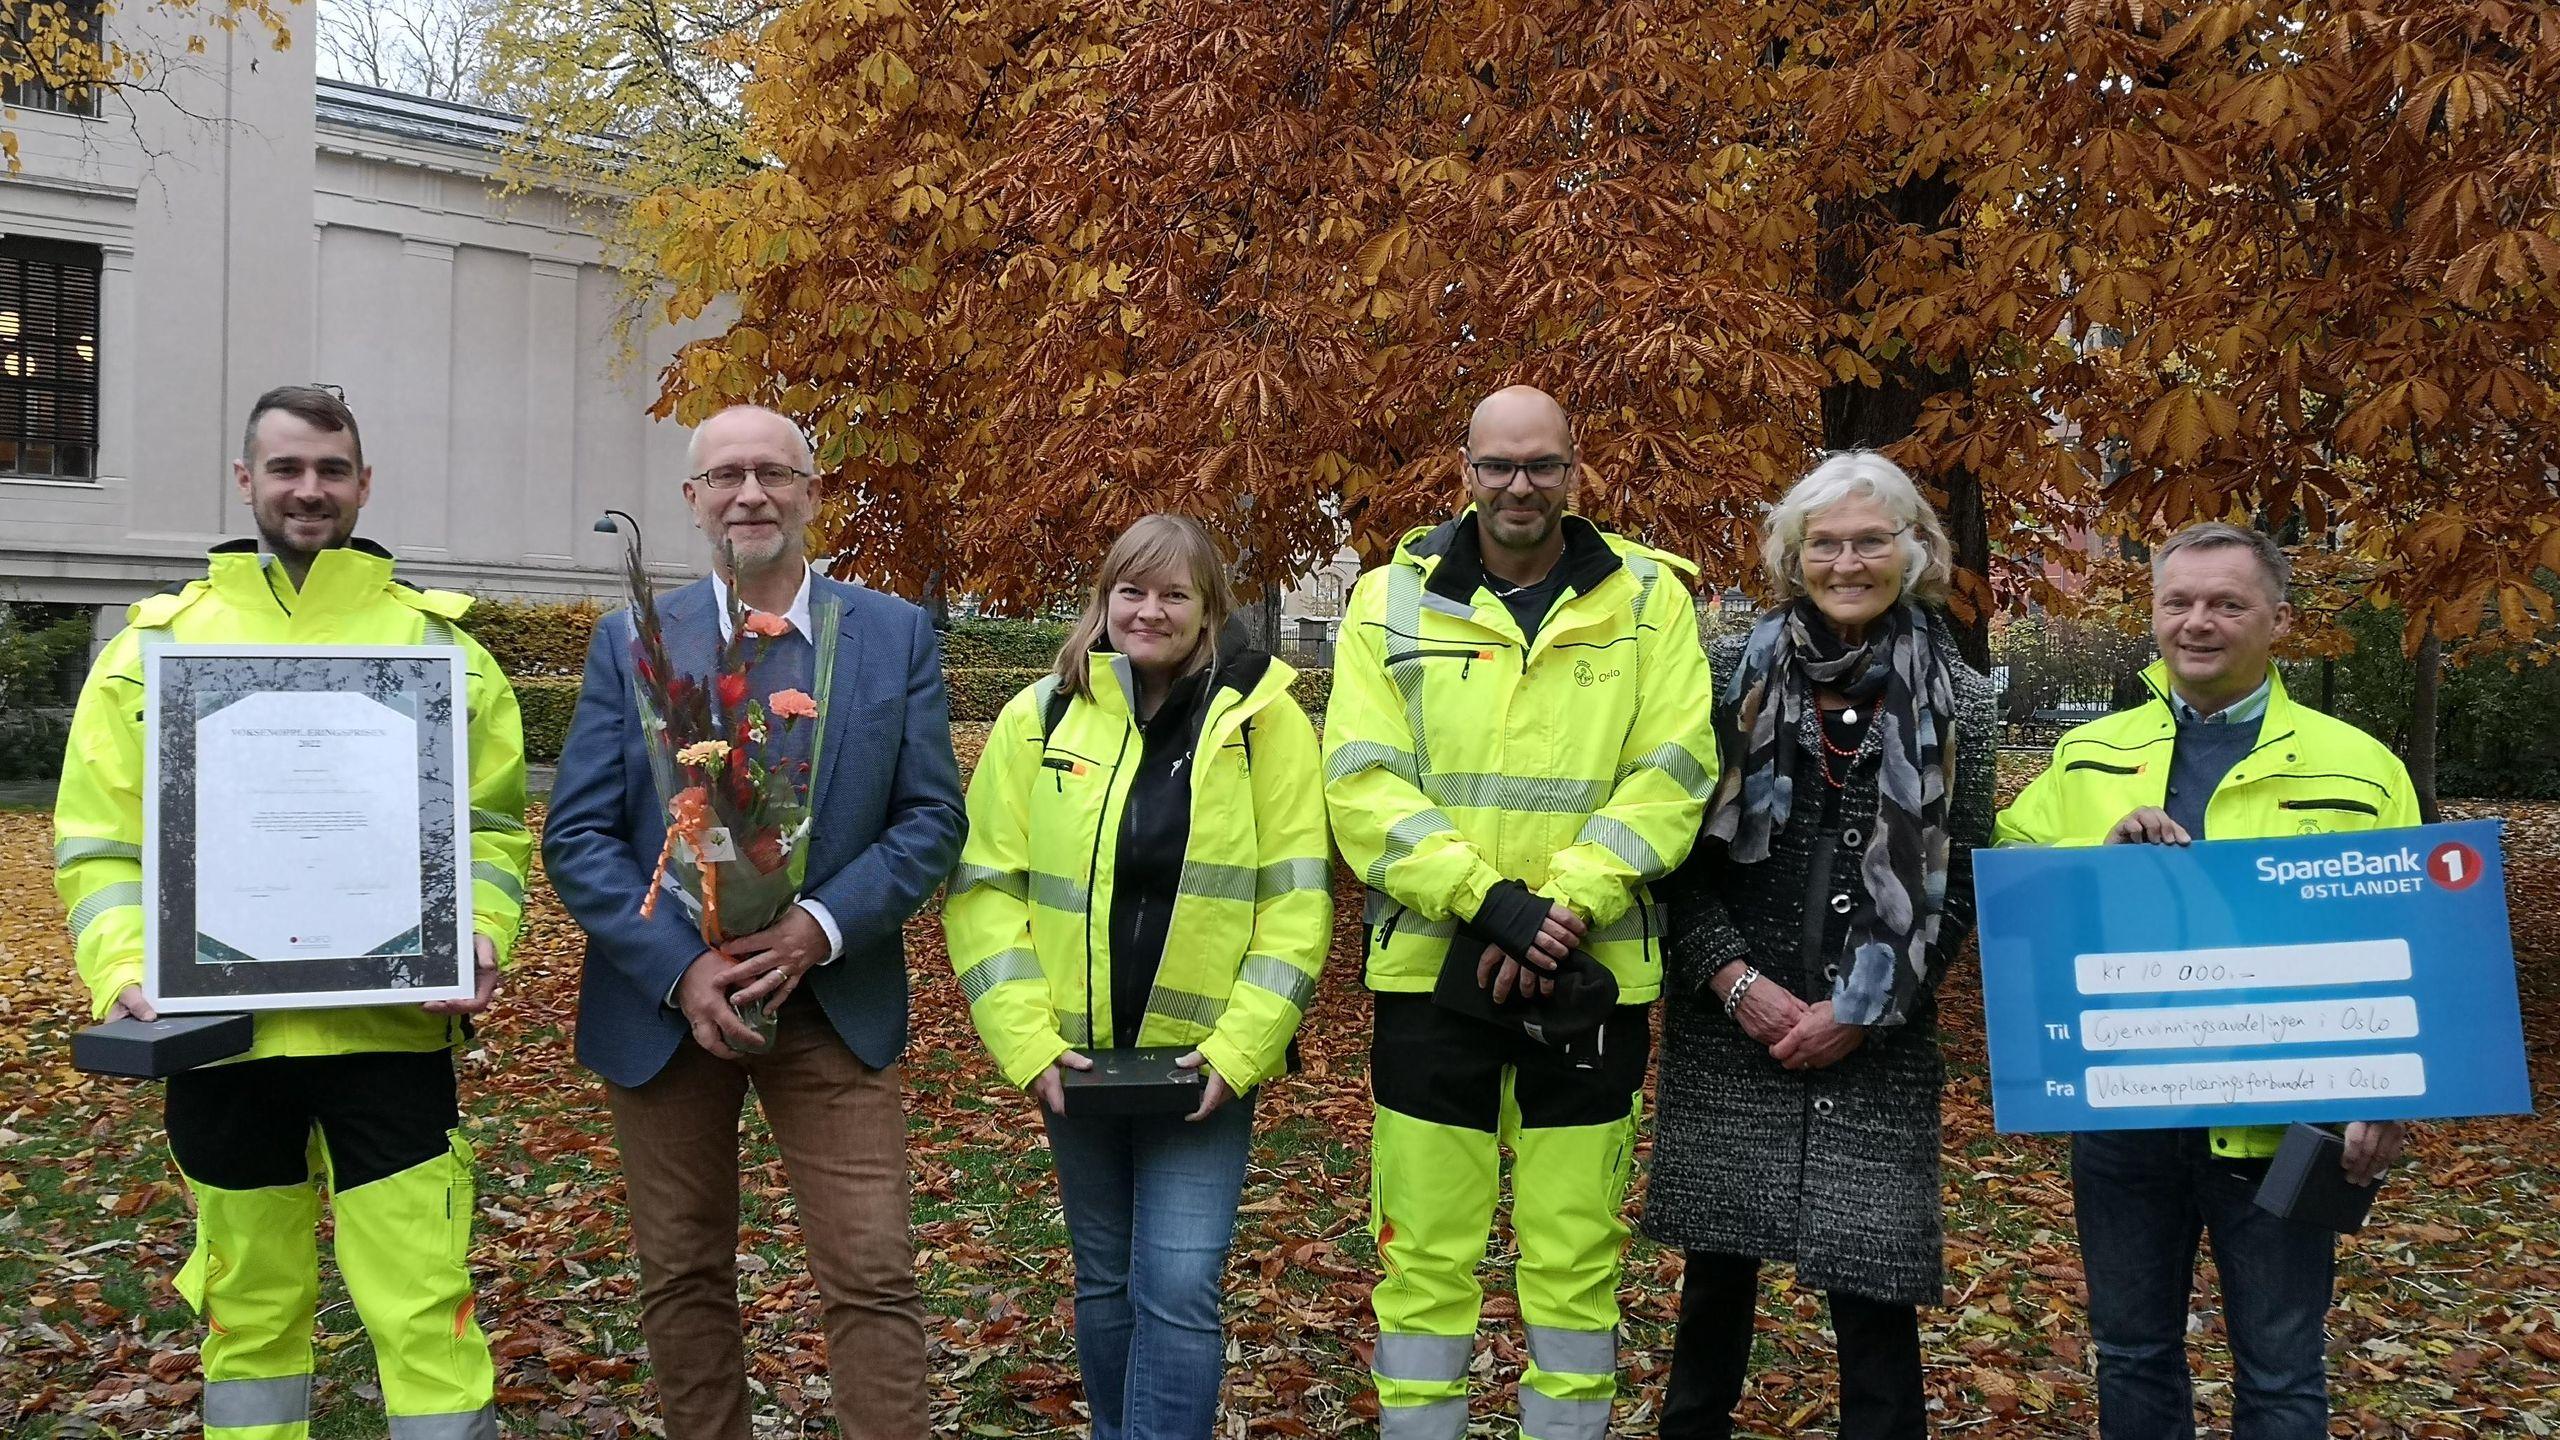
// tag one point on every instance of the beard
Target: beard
(276, 531)
(1515, 528)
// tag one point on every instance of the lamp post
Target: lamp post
(605, 525)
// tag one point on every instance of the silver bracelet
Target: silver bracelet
(1733, 997)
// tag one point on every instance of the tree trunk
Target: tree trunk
(2425, 690)
(1865, 417)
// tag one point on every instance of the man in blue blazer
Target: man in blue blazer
(656, 1014)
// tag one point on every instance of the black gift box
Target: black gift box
(157, 1049)
(2307, 1181)
(1143, 1081)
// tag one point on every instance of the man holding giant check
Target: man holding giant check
(2219, 752)
(295, 789)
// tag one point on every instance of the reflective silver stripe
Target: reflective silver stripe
(1620, 839)
(1402, 836)
(480, 1424)
(1058, 892)
(1573, 1352)
(1283, 876)
(437, 632)
(1377, 907)
(1439, 1420)
(82, 848)
(1680, 765)
(998, 969)
(104, 899)
(1270, 972)
(1071, 1028)
(1537, 794)
(492, 820)
(1218, 882)
(1422, 1357)
(1183, 1005)
(496, 874)
(1545, 1418)
(970, 877)
(1353, 756)
(239, 1404)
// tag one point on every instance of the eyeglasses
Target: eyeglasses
(770, 477)
(1546, 474)
(1872, 546)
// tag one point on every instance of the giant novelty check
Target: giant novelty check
(2251, 982)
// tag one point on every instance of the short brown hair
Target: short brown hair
(2216, 535)
(311, 404)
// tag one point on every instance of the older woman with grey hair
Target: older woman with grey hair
(1830, 886)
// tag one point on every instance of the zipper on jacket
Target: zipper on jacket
(1093, 867)
(2102, 767)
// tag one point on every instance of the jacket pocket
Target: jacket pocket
(2357, 807)
(2102, 767)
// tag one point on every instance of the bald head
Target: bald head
(752, 425)
(1523, 413)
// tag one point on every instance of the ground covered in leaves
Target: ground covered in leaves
(2448, 1325)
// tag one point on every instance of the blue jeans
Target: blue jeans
(2144, 1197)
(1151, 1207)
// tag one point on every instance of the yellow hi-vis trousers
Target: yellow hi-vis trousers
(1451, 1093)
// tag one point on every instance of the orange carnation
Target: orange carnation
(792, 705)
(767, 624)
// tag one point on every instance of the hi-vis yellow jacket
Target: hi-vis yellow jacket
(348, 598)
(1458, 756)
(1028, 920)
(2310, 774)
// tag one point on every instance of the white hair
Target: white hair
(1927, 559)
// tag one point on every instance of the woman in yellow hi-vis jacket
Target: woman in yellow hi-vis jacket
(1147, 865)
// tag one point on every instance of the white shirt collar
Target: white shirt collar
(797, 616)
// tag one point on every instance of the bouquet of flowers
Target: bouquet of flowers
(737, 827)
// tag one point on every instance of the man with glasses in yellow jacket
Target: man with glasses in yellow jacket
(361, 1100)
(1517, 746)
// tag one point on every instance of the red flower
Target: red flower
(767, 624)
(733, 691)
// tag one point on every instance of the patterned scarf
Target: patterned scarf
(1766, 725)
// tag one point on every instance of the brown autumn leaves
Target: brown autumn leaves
(1031, 270)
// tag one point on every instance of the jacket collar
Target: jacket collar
(1458, 549)
(2279, 718)
(339, 579)
(1242, 672)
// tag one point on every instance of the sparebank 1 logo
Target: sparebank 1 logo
(2454, 865)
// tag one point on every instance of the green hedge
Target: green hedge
(529, 640)
(547, 702)
(1002, 644)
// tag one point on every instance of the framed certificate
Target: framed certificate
(306, 827)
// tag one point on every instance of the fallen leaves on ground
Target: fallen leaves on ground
(2448, 1320)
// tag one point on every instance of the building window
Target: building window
(48, 359)
(56, 42)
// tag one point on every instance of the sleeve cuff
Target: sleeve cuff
(827, 922)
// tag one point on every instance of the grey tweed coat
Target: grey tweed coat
(1833, 1170)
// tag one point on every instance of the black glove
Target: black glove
(1568, 1019)
(1511, 916)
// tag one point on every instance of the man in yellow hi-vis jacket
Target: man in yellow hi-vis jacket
(376, 1084)
(1517, 746)
(2218, 752)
